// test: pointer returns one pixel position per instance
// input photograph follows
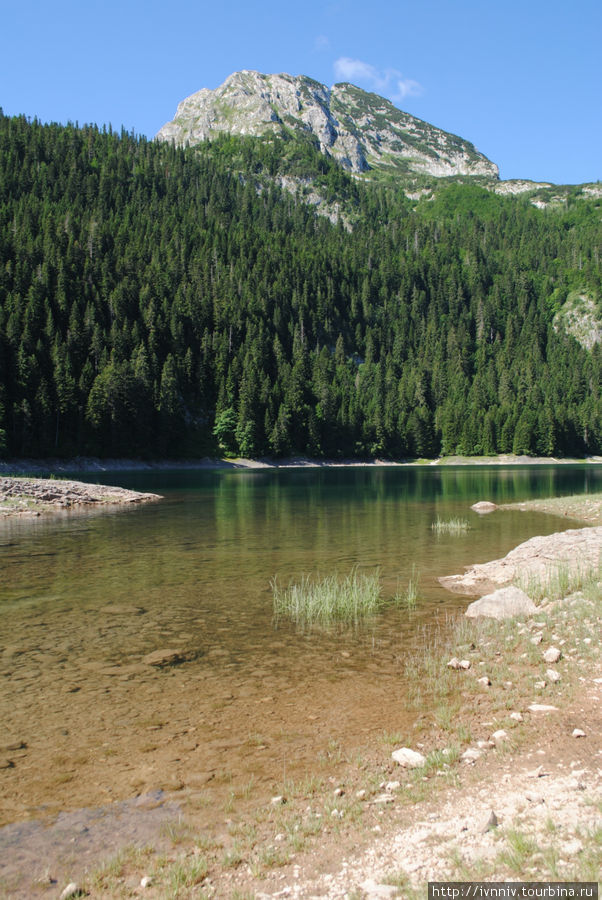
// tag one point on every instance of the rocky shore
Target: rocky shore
(34, 496)
(95, 464)
(507, 784)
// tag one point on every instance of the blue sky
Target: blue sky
(521, 80)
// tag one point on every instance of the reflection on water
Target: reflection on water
(86, 598)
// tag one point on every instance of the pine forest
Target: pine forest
(158, 302)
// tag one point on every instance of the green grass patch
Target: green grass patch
(450, 526)
(323, 601)
(560, 581)
(408, 596)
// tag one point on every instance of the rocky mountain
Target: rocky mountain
(360, 130)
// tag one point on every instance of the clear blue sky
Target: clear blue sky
(521, 79)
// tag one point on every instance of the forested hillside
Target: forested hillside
(157, 301)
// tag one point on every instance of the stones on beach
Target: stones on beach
(377, 891)
(383, 799)
(552, 655)
(72, 890)
(471, 755)
(492, 822)
(408, 759)
(505, 603)
(456, 663)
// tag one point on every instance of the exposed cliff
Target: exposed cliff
(360, 130)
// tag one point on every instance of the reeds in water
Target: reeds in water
(323, 601)
(450, 526)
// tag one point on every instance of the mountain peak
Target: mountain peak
(359, 129)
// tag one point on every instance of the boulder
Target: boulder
(484, 507)
(552, 655)
(577, 549)
(409, 759)
(505, 603)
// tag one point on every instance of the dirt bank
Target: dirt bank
(94, 464)
(34, 496)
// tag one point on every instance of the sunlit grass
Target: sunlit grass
(409, 596)
(332, 599)
(559, 581)
(450, 526)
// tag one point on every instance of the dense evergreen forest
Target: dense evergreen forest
(157, 301)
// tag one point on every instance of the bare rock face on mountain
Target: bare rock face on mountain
(360, 130)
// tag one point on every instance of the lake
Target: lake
(86, 597)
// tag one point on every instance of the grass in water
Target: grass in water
(332, 599)
(450, 526)
(409, 596)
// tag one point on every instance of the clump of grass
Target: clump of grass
(409, 596)
(332, 599)
(450, 526)
(559, 581)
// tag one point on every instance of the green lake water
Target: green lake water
(85, 597)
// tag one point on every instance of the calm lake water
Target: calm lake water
(84, 598)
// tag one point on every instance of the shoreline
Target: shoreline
(427, 827)
(23, 466)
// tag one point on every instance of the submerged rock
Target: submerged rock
(504, 603)
(484, 507)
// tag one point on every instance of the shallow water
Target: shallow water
(85, 598)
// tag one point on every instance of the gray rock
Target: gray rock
(552, 655)
(492, 822)
(504, 603)
(72, 890)
(375, 891)
(471, 755)
(409, 759)
(348, 124)
(456, 663)
(577, 548)
(484, 507)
